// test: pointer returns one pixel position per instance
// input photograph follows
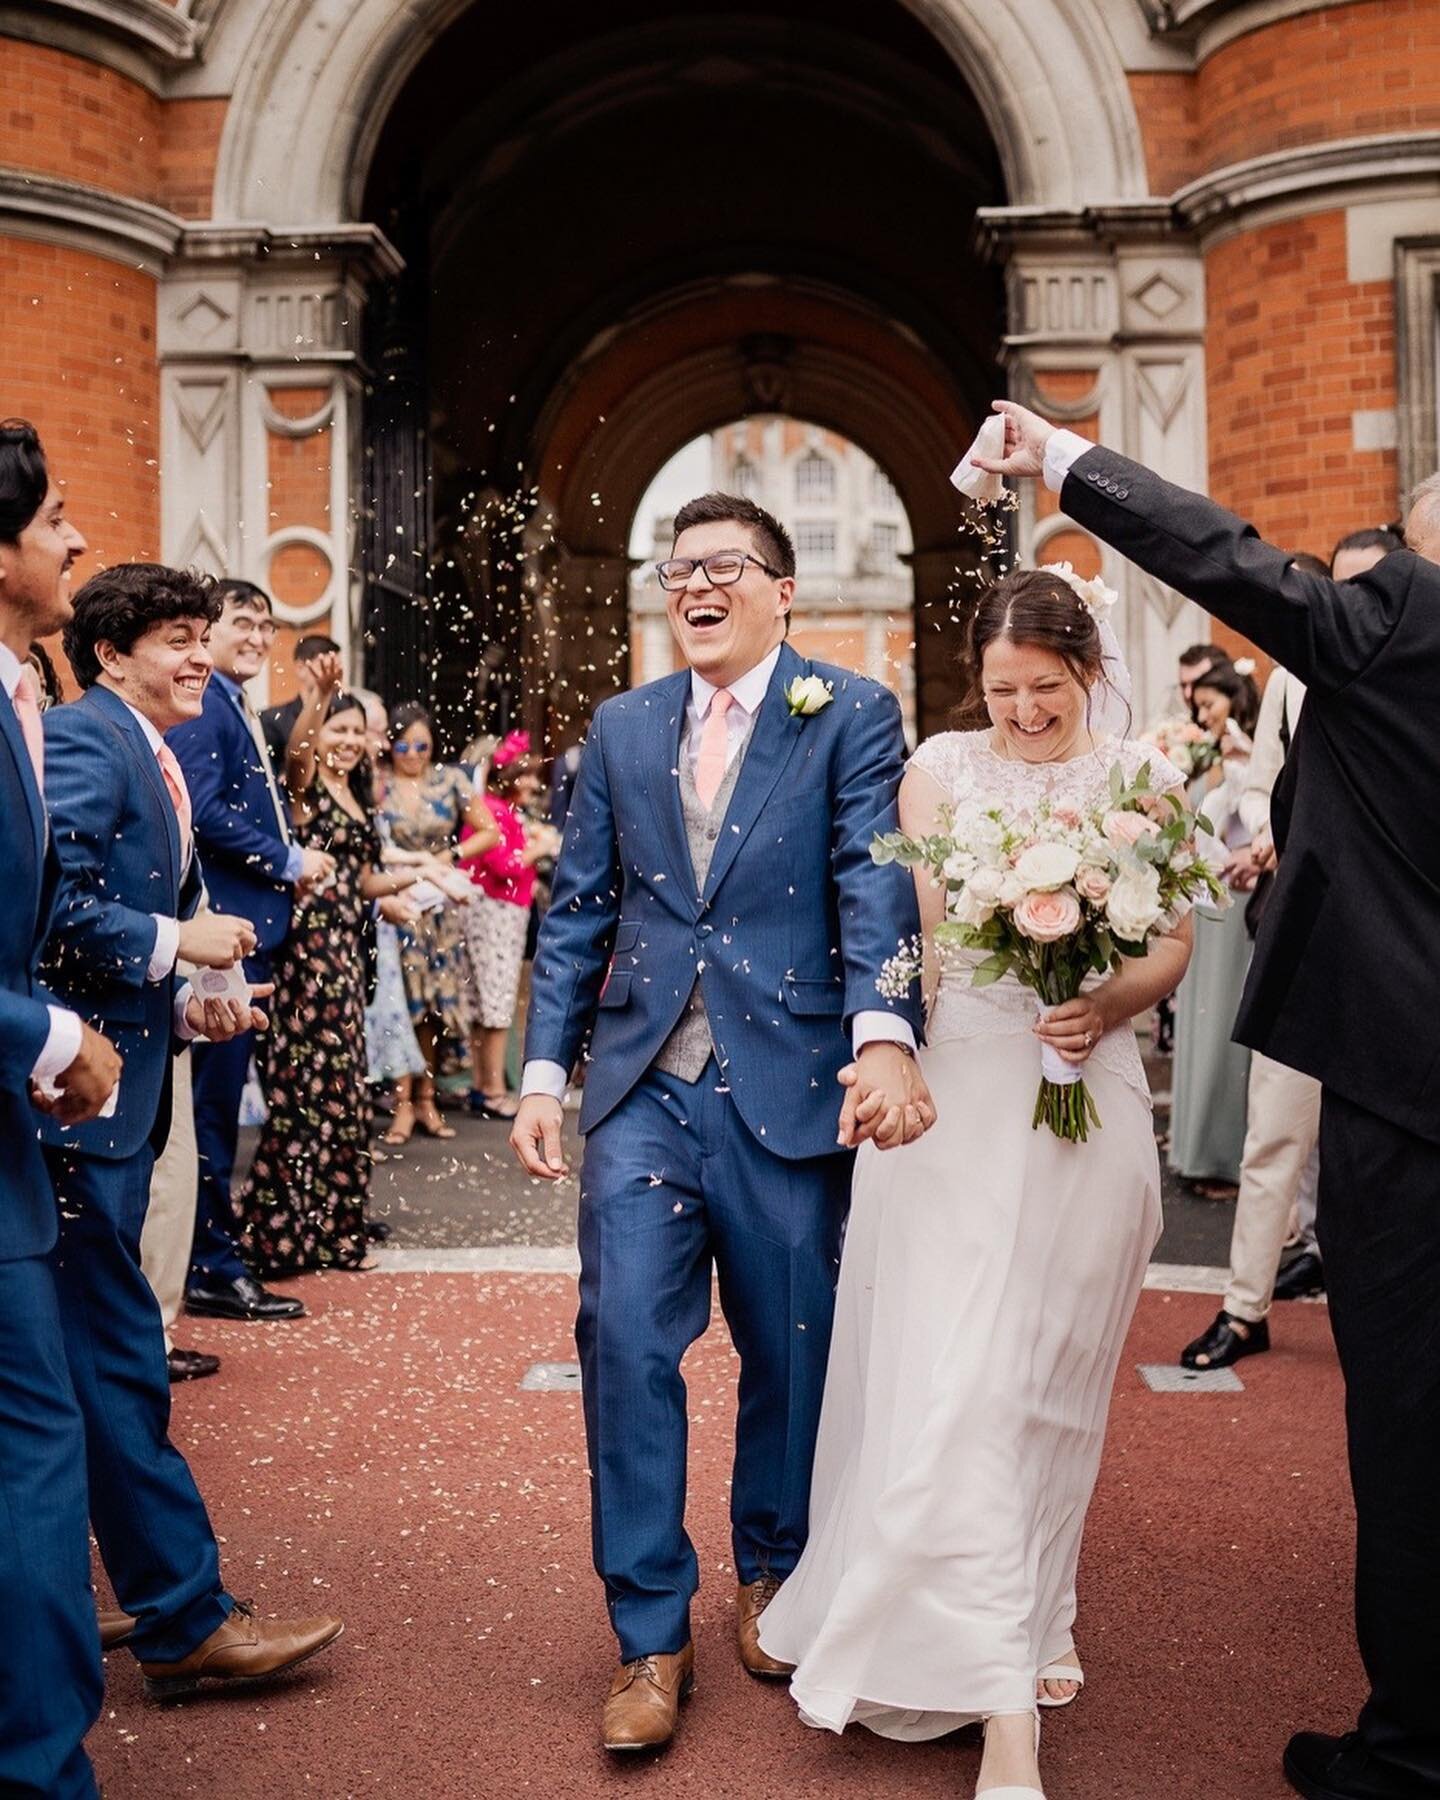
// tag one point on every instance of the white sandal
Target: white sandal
(1014, 1793)
(1060, 1671)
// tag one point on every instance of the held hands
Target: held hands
(219, 1020)
(398, 909)
(1026, 435)
(535, 1137)
(886, 1099)
(1074, 1028)
(87, 1083)
(215, 940)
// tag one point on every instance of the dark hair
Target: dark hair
(1240, 690)
(408, 713)
(50, 690)
(771, 537)
(1202, 653)
(232, 588)
(24, 478)
(1310, 565)
(118, 606)
(361, 779)
(504, 780)
(1032, 606)
(1379, 537)
(315, 644)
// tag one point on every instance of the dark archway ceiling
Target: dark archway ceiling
(557, 171)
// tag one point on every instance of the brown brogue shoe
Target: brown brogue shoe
(751, 1599)
(115, 1627)
(645, 1700)
(243, 1649)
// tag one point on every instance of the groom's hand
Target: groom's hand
(1026, 435)
(886, 1099)
(535, 1137)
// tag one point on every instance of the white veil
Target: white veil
(1110, 713)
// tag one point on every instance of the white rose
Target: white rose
(985, 884)
(807, 694)
(960, 865)
(968, 909)
(1134, 904)
(1046, 866)
(1012, 888)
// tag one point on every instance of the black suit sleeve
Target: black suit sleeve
(1327, 632)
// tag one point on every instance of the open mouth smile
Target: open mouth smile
(704, 617)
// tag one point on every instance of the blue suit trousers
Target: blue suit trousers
(218, 1079)
(152, 1527)
(673, 1183)
(50, 1678)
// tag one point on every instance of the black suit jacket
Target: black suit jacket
(1345, 983)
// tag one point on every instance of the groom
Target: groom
(717, 925)
(1345, 986)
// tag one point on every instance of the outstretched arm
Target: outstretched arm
(1326, 631)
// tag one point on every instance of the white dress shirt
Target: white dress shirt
(62, 1043)
(1284, 696)
(1062, 449)
(746, 694)
(167, 931)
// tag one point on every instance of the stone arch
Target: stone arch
(315, 80)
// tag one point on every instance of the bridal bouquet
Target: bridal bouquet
(1189, 746)
(1054, 894)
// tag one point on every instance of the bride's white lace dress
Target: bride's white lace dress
(989, 1275)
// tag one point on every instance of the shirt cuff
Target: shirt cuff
(62, 1046)
(1062, 450)
(167, 947)
(541, 1077)
(178, 1020)
(880, 1028)
(294, 863)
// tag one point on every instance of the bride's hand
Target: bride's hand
(1073, 1029)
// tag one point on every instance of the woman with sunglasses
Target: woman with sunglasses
(423, 806)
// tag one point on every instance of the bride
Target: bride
(989, 1275)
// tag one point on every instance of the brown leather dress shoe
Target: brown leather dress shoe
(751, 1599)
(243, 1649)
(115, 1627)
(645, 1700)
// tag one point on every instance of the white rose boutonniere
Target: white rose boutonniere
(807, 695)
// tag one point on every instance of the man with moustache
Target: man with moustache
(718, 922)
(1345, 987)
(50, 1675)
(120, 814)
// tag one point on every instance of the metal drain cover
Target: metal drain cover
(547, 1377)
(1170, 1378)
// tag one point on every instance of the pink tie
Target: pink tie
(179, 795)
(27, 710)
(714, 739)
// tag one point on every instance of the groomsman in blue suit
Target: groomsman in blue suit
(50, 1676)
(120, 815)
(251, 868)
(718, 925)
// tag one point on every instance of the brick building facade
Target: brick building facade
(1208, 230)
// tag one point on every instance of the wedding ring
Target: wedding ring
(1089, 1039)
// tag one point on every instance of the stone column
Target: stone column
(260, 436)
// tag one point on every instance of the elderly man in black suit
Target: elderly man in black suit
(1345, 986)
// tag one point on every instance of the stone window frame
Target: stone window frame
(817, 480)
(1417, 347)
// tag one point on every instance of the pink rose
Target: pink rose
(1093, 883)
(1048, 917)
(1125, 829)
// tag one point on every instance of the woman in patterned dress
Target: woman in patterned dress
(303, 1206)
(423, 806)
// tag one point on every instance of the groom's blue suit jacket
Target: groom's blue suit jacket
(788, 934)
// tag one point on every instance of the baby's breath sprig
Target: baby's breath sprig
(899, 973)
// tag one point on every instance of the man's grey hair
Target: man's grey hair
(1427, 492)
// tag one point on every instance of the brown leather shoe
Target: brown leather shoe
(115, 1627)
(751, 1599)
(243, 1649)
(645, 1700)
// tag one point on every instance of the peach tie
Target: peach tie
(27, 710)
(714, 740)
(179, 795)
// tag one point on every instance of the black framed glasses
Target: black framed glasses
(722, 569)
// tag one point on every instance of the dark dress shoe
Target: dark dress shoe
(1341, 1768)
(378, 1230)
(116, 1627)
(243, 1298)
(191, 1365)
(1227, 1340)
(1301, 1278)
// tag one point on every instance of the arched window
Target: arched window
(883, 496)
(746, 479)
(814, 479)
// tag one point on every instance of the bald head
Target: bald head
(1422, 528)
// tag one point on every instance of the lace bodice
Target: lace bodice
(964, 764)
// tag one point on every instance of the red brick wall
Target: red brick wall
(62, 115)
(189, 149)
(1165, 107)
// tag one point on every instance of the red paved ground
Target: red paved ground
(379, 1459)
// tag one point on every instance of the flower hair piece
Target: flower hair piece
(516, 744)
(1244, 665)
(1095, 595)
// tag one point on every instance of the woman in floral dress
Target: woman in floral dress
(303, 1206)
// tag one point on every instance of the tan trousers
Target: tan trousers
(1283, 1126)
(169, 1229)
